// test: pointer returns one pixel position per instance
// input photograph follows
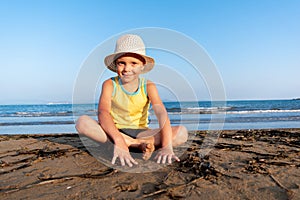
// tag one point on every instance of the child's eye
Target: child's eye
(120, 63)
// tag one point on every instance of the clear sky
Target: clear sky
(43, 43)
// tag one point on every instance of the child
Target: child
(123, 108)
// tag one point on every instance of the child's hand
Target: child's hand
(164, 154)
(124, 156)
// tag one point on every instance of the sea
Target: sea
(54, 118)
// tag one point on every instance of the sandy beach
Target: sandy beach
(244, 164)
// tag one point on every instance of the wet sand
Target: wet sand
(244, 164)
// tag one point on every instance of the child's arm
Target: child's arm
(121, 150)
(164, 124)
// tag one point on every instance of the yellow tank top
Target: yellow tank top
(130, 110)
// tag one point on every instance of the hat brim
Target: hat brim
(110, 62)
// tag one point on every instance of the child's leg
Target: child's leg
(89, 127)
(146, 140)
(145, 145)
(179, 133)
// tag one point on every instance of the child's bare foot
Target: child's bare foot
(147, 150)
(147, 147)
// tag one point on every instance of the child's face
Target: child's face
(129, 68)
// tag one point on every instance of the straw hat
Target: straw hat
(129, 44)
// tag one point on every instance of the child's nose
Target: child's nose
(127, 67)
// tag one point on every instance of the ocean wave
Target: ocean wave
(173, 111)
(37, 114)
(198, 110)
(227, 110)
(36, 123)
(263, 111)
(58, 103)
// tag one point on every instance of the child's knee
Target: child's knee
(82, 123)
(182, 133)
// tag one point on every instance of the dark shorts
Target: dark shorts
(132, 132)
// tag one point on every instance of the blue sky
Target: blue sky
(254, 44)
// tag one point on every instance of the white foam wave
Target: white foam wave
(224, 111)
(262, 111)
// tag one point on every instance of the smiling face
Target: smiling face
(129, 68)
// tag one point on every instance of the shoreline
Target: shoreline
(190, 131)
(243, 164)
